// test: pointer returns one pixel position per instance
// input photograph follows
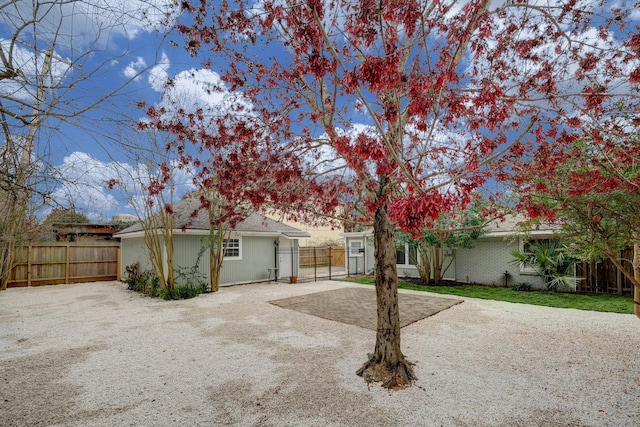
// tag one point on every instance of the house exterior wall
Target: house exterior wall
(133, 251)
(257, 256)
(185, 256)
(364, 262)
(487, 262)
(407, 270)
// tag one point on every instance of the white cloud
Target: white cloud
(158, 75)
(582, 57)
(79, 24)
(134, 68)
(193, 89)
(84, 185)
(196, 89)
(28, 65)
(189, 89)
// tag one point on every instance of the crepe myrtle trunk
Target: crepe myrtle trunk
(387, 364)
(636, 276)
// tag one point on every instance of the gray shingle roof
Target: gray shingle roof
(513, 225)
(254, 223)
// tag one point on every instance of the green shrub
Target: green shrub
(144, 282)
(549, 259)
(153, 285)
(148, 283)
(524, 287)
(180, 292)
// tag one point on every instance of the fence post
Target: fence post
(315, 265)
(67, 259)
(347, 257)
(329, 262)
(29, 253)
(118, 263)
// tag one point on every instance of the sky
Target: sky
(121, 48)
(131, 56)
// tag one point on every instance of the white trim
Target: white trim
(233, 258)
(176, 232)
(194, 232)
(355, 234)
(407, 258)
(359, 253)
(510, 234)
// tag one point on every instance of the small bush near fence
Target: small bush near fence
(147, 282)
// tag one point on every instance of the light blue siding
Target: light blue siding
(134, 251)
(185, 257)
(258, 255)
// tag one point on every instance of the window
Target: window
(406, 255)
(355, 248)
(232, 249)
(525, 246)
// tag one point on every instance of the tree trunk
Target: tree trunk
(216, 256)
(424, 264)
(7, 252)
(218, 237)
(636, 276)
(437, 264)
(387, 364)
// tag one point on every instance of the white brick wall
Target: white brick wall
(486, 263)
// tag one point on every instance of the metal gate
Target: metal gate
(323, 262)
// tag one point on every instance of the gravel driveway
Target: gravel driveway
(98, 355)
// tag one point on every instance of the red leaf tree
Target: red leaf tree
(399, 111)
(592, 190)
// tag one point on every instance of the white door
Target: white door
(285, 258)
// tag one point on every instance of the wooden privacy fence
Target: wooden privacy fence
(604, 278)
(53, 264)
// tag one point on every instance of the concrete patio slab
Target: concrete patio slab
(357, 306)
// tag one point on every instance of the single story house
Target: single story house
(259, 248)
(487, 263)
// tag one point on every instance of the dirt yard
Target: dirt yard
(99, 355)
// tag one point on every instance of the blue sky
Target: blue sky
(127, 44)
(87, 153)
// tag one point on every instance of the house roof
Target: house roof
(513, 225)
(510, 225)
(254, 223)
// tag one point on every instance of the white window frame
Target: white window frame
(232, 247)
(407, 257)
(355, 251)
(522, 242)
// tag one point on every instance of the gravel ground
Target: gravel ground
(98, 355)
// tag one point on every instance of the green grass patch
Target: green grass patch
(607, 303)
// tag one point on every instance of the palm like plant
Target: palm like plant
(550, 260)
